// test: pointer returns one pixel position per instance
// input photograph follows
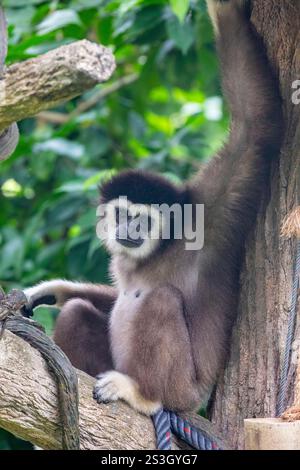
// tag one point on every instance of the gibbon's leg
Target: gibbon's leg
(159, 368)
(81, 331)
(59, 291)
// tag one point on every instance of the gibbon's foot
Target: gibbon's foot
(113, 386)
(108, 387)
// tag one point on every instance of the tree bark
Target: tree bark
(29, 407)
(249, 386)
(44, 82)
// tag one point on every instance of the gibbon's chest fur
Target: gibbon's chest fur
(179, 269)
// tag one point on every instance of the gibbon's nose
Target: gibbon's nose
(125, 239)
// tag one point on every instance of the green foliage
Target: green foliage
(180, 8)
(169, 119)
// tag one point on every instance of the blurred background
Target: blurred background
(162, 110)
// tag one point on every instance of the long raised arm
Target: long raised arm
(231, 184)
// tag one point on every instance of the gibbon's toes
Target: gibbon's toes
(99, 399)
(106, 389)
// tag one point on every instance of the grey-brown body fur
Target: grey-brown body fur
(171, 316)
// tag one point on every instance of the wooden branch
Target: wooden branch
(29, 407)
(44, 82)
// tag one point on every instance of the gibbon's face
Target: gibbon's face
(132, 229)
(133, 212)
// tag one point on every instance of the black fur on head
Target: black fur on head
(142, 187)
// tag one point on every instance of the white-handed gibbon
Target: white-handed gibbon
(160, 335)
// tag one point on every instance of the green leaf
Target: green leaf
(137, 23)
(62, 147)
(180, 8)
(49, 253)
(99, 178)
(44, 315)
(182, 34)
(43, 47)
(85, 4)
(71, 187)
(58, 19)
(12, 256)
(20, 3)
(88, 220)
(21, 20)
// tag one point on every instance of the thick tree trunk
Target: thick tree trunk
(249, 386)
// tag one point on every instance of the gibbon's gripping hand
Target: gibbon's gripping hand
(41, 294)
(27, 309)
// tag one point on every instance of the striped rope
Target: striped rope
(162, 425)
(166, 422)
(282, 396)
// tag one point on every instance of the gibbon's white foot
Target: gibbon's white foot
(113, 386)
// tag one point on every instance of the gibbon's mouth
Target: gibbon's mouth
(130, 242)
